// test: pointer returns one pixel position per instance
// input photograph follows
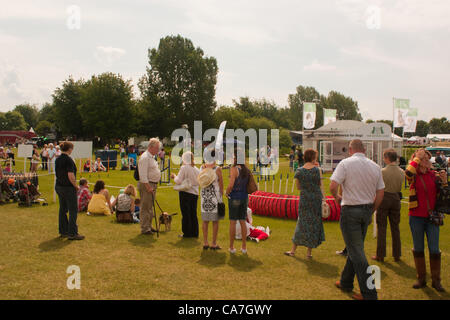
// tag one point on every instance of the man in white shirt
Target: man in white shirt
(149, 176)
(51, 158)
(363, 190)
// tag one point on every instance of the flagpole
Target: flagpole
(393, 120)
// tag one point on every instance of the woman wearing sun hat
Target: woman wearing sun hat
(211, 183)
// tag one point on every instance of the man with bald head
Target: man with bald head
(362, 192)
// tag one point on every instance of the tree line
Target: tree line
(179, 86)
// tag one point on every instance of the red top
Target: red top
(430, 181)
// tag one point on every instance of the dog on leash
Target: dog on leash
(166, 220)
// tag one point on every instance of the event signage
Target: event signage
(373, 131)
(81, 150)
(401, 109)
(329, 116)
(25, 151)
(411, 120)
(309, 115)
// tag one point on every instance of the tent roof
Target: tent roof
(342, 125)
(439, 136)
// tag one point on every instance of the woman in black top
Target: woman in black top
(66, 188)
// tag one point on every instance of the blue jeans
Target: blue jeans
(354, 222)
(67, 202)
(419, 227)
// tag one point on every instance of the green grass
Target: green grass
(118, 263)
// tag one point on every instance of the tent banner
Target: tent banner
(309, 115)
(411, 120)
(401, 109)
(329, 116)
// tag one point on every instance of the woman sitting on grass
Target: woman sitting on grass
(125, 204)
(100, 203)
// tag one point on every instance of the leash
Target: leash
(154, 213)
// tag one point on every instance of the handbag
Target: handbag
(184, 186)
(251, 184)
(435, 217)
(325, 207)
(221, 209)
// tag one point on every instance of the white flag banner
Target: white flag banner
(401, 109)
(329, 116)
(411, 120)
(309, 115)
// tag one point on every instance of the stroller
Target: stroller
(7, 190)
(24, 189)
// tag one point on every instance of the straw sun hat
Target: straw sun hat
(206, 177)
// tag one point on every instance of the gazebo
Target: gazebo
(332, 141)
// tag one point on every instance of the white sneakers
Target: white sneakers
(233, 251)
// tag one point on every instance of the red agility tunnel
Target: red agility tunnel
(284, 206)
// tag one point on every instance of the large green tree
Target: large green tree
(302, 94)
(266, 109)
(346, 107)
(30, 114)
(179, 86)
(106, 107)
(439, 125)
(422, 128)
(235, 118)
(12, 120)
(65, 103)
(43, 127)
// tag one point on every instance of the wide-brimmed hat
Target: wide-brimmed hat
(206, 177)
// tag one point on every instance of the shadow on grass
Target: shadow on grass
(142, 240)
(434, 295)
(53, 244)
(186, 243)
(212, 258)
(402, 269)
(243, 262)
(321, 269)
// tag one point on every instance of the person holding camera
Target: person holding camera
(424, 187)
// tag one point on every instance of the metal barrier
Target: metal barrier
(165, 171)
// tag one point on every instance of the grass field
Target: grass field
(117, 262)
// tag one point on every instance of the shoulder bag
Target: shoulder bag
(325, 206)
(251, 184)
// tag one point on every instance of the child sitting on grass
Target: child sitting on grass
(137, 208)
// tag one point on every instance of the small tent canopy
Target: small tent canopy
(31, 130)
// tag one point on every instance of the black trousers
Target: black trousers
(44, 163)
(189, 221)
(67, 203)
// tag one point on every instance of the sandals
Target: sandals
(205, 247)
(289, 253)
(217, 247)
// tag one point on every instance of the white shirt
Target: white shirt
(360, 178)
(51, 153)
(148, 168)
(188, 172)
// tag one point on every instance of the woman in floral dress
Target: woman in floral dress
(309, 231)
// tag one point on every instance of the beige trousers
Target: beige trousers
(147, 210)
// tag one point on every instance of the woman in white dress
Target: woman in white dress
(211, 184)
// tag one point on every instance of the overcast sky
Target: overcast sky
(370, 50)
